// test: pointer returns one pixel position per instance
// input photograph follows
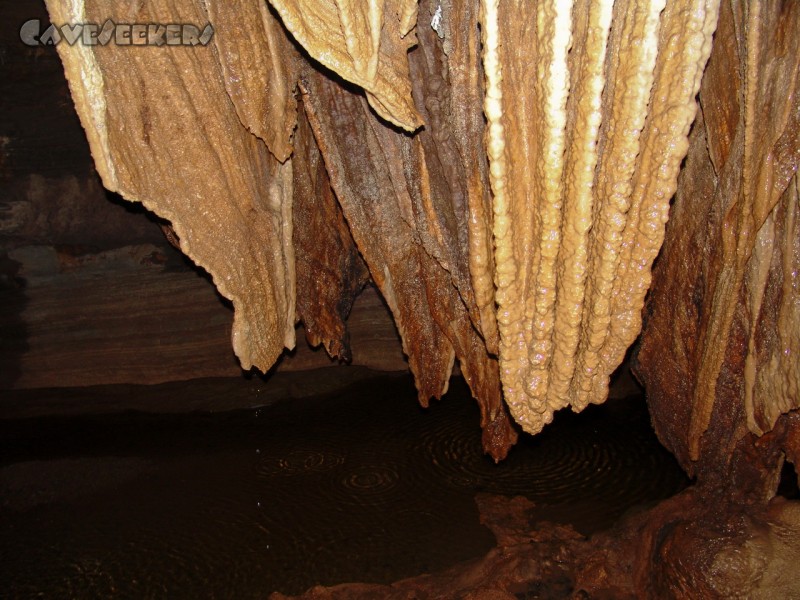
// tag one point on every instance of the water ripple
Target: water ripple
(365, 486)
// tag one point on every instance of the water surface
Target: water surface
(360, 485)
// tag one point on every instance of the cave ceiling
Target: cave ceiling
(501, 170)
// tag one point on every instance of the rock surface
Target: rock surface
(521, 247)
(139, 314)
(527, 561)
(719, 349)
(684, 548)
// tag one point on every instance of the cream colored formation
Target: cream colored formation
(167, 129)
(586, 136)
(588, 106)
(363, 41)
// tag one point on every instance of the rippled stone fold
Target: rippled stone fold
(228, 197)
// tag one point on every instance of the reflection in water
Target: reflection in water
(358, 486)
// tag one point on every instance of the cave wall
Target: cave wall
(502, 172)
(719, 349)
(422, 225)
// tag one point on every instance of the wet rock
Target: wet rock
(718, 351)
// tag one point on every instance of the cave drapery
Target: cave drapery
(502, 170)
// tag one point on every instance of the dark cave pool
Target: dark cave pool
(357, 485)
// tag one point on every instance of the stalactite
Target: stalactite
(583, 167)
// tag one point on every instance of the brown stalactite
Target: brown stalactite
(330, 271)
(451, 201)
(367, 163)
(370, 187)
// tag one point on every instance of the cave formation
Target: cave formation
(506, 173)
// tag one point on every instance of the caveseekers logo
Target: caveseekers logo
(120, 34)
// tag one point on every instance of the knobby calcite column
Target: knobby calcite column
(589, 105)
